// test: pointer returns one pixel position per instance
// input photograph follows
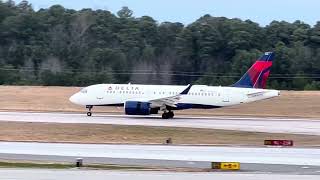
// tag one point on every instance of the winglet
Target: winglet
(186, 91)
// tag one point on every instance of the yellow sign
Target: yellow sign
(226, 165)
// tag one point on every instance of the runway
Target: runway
(36, 174)
(252, 124)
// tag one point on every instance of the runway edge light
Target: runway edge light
(225, 165)
(79, 162)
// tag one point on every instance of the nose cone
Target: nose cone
(75, 99)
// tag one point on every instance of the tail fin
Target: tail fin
(257, 75)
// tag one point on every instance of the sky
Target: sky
(187, 11)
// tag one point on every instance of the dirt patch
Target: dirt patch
(88, 133)
(29, 98)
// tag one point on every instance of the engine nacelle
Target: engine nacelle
(137, 108)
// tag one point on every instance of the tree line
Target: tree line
(65, 47)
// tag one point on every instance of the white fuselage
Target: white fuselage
(199, 96)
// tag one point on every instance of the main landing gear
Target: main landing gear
(89, 113)
(167, 115)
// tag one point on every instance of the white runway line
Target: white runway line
(41, 174)
(287, 156)
(252, 124)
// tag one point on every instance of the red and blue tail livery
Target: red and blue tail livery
(257, 75)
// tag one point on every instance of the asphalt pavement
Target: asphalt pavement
(252, 124)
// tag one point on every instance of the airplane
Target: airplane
(150, 99)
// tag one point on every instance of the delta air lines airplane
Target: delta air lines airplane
(150, 99)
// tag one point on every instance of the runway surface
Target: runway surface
(286, 156)
(36, 174)
(253, 124)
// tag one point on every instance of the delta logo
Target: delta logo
(124, 88)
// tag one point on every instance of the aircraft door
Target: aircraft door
(225, 95)
(100, 93)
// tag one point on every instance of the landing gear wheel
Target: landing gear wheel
(170, 114)
(165, 116)
(89, 108)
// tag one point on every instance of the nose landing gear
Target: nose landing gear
(89, 107)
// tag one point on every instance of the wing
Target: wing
(171, 100)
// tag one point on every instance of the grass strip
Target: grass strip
(67, 166)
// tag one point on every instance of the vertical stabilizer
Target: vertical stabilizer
(257, 75)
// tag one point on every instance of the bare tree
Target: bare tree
(52, 64)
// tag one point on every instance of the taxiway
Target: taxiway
(36, 174)
(102, 153)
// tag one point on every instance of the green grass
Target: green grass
(35, 165)
(115, 167)
(66, 166)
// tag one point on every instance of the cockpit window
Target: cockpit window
(84, 91)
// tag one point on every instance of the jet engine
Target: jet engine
(137, 108)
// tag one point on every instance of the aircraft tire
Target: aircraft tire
(165, 116)
(89, 114)
(171, 114)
